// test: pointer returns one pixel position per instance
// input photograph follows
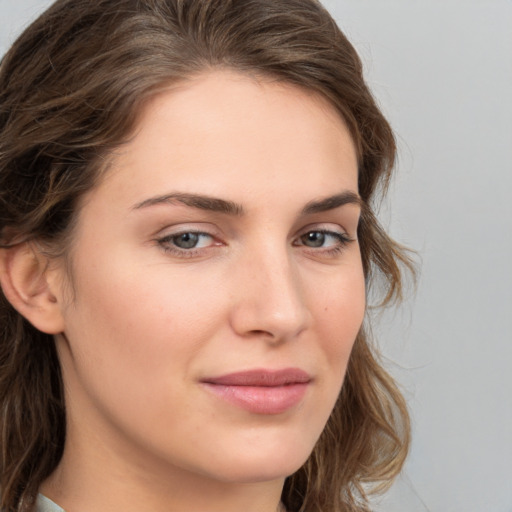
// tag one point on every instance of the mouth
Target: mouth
(261, 391)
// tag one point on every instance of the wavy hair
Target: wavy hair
(71, 89)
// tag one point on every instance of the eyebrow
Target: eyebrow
(215, 204)
(332, 202)
(212, 204)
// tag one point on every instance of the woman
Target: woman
(187, 240)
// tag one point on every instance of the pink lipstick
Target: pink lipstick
(261, 391)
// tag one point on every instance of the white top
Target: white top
(43, 504)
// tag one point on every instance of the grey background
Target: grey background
(442, 71)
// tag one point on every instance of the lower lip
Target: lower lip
(261, 399)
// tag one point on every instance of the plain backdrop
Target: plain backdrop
(442, 73)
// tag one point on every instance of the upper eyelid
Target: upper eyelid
(173, 230)
(327, 227)
(188, 230)
(211, 229)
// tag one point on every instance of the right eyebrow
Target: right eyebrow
(201, 202)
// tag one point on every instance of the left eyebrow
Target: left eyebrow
(332, 202)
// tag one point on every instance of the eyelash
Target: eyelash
(165, 243)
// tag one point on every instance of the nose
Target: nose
(269, 299)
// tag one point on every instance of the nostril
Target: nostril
(260, 332)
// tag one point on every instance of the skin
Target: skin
(147, 320)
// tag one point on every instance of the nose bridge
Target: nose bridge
(270, 296)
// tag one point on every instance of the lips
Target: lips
(261, 391)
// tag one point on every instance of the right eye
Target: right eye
(186, 243)
(190, 240)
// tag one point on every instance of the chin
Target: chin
(254, 473)
(258, 464)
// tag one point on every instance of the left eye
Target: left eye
(322, 239)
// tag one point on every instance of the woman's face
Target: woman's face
(218, 285)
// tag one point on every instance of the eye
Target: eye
(314, 239)
(330, 241)
(187, 243)
(190, 240)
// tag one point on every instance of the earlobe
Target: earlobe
(25, 283)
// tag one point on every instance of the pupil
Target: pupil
(187, 240)
(315, 239)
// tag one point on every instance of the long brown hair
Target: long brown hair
(71, 88)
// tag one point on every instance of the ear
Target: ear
(29, 286)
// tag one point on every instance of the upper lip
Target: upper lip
(261, 378)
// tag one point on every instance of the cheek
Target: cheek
(338, 308)
(134, 337)
(339, 313)
(145, 315)
(341, 303)
(134, 331)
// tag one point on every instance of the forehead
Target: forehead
(223, 128)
